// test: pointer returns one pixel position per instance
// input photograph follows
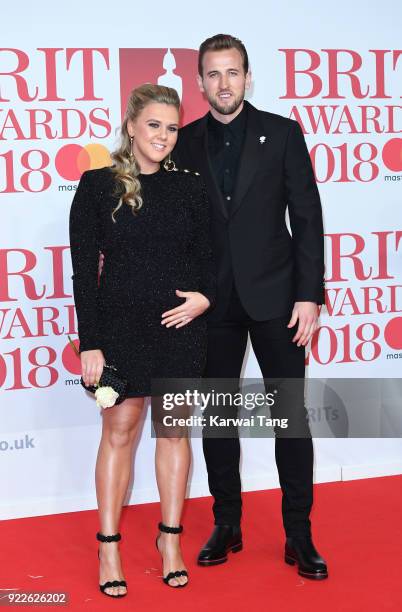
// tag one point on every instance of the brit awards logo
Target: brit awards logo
(350, 100)
(57, 118)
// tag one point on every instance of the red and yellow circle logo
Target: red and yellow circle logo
(393, 333)
(392, 154)
(72, 160)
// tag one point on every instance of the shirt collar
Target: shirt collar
(236, 126)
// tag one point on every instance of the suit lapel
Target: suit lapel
(199, 144)
(251, 156)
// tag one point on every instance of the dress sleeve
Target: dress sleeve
(202, 244)
(85, 247)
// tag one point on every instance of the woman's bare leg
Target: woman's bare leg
(112, 474)
(172, 467)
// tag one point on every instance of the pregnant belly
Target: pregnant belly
(138, 299)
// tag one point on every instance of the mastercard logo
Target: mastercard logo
(70, 359)
(392, 154)
(72, 160)
(393, 333)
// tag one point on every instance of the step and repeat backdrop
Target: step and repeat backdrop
(64, 82)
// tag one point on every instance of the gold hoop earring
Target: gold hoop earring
(169, 165)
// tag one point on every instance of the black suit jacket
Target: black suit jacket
(253, 248)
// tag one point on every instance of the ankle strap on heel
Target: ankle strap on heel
(110, 538)
(167, 529)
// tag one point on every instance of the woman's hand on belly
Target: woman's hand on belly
(195, 305)
(92, 363)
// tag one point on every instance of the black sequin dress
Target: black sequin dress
(165, 247)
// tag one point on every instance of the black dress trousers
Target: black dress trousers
(278, 357)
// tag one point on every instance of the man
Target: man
(255, 165)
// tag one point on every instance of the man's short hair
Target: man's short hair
(219, 42)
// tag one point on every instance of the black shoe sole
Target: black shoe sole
(234, 549)
(311, 575)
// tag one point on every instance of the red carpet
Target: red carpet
(356, 527)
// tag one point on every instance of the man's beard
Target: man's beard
(226, 110)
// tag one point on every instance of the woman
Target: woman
(151, 224)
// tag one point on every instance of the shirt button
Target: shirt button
(228, 198)
(227, 143)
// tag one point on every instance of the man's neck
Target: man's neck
(226, 118)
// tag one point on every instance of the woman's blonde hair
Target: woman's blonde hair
(126, 168)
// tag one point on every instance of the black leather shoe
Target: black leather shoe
(302, 551)
(224, 538)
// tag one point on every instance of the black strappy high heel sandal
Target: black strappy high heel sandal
(114, 583)
(177, 574)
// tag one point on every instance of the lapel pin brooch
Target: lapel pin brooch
(262, 139)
